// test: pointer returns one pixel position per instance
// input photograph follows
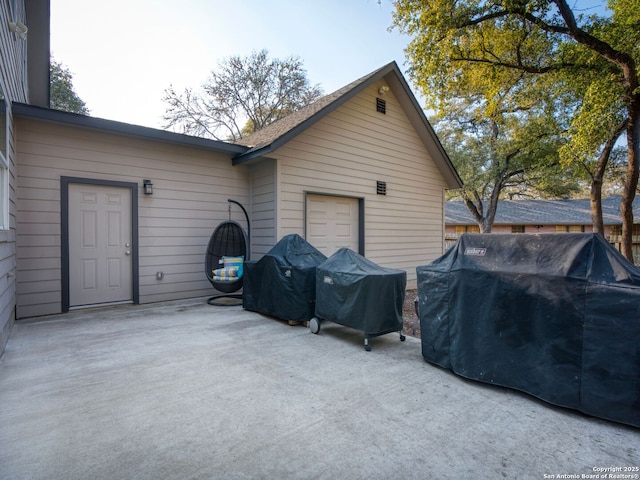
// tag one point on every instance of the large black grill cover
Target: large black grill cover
(556, 316)
(283, 282)
(355, 292)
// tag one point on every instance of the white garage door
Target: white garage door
(332, 223)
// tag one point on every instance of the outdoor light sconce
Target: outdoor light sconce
(19, 28)
(148, 187)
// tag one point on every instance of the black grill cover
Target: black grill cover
(355, 292)
(283, 282)
(556, 316)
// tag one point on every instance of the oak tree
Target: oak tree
(241, 96)
(519, 52)
(514, 156)
(62, 95)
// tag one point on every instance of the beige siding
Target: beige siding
(345, 154)
(263, 207)
(190, 191)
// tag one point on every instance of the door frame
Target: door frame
(360, 214)
(64, 227)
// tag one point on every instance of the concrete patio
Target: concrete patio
(184, 390)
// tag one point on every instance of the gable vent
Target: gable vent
(381, 105)
(381, 188)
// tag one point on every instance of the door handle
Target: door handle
(127, 252)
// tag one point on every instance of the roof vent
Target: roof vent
(381, 188)
(381, 105)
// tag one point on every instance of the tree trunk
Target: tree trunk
(597, 178)
(596, 207)
(631, 180)
(485, 226)
(483, 219)
(631, 85)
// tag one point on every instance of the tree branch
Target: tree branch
(571, 29)
(525, 68)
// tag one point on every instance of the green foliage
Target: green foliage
(62, 95)
(242, 96)
(624, 29)
(514, 156)
(528, 64)
(597, 116)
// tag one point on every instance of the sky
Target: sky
(123, 54)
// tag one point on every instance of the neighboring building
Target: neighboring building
(545, 216)
(361, 168)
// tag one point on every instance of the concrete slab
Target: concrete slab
(185, 390)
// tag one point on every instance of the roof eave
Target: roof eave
(408, 102)
(112, 126)
(427, 133)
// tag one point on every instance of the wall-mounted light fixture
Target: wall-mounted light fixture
(19, 28)
(148, 187)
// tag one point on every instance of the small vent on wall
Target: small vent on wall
(381, 105)
(381, 188)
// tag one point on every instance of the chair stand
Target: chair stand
(218, 300)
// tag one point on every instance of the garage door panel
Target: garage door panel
(343, 230)
(332, 223)
(343, 209)
(317, 230)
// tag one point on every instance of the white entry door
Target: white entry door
(100, 240)
(332, 223)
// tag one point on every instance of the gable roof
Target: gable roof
(279, 132)
(276, 134)
(542, 212)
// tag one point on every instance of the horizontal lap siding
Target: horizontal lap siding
(263, 207)
(345, 154)
(190, 191)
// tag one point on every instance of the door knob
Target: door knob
(127, 252)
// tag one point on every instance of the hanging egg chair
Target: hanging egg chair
(227, 250)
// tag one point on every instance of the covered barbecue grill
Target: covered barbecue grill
(355, 292)
(283, 282)
(556, 316)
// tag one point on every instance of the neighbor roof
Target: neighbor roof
(542, 212)
(281, 131)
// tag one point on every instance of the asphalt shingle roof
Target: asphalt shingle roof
(542, 212)
(277, 129)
